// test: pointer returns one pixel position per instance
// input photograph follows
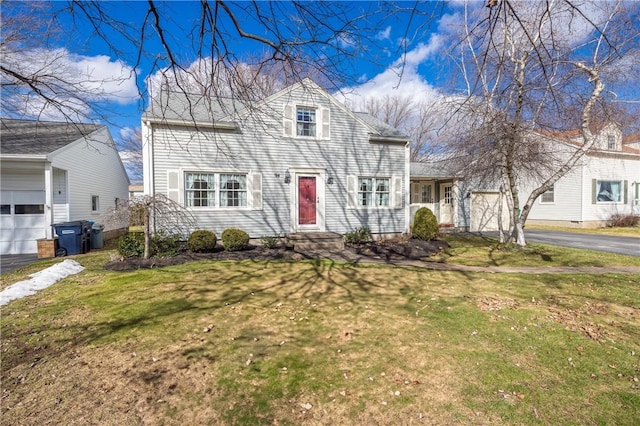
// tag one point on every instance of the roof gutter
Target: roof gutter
(25, 157)
(221, 125)
(388, 139)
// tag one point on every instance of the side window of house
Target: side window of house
(425, 194)
(221, 190)
(306, 121)
(548, 196)
(200, 189)
(373, 191)
(233, 190)
(95, 203)
(608, 191)
(448, 194)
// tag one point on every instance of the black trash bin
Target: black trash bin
(97, 238)
(86, 235)
(72, 237)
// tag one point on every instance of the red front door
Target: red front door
(306, 200)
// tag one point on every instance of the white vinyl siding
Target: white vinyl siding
(93, 167)
(341, 148)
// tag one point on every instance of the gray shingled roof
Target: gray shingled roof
(192, 107)
(30, 137)
(169, 105)
(433, 169)
(380, 126)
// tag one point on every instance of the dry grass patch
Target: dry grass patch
(320, 343)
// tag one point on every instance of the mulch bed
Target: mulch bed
(389, 250)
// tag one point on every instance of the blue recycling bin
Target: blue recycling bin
(73, 237)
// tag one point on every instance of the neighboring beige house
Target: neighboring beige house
(54, 172)
(436, 186)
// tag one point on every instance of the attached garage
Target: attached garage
(53, 172)
(484, 212)
(22, 221)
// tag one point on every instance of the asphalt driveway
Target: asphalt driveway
(608, 243)
(11, 262)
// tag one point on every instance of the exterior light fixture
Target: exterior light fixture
(287, 177)
(329, 178)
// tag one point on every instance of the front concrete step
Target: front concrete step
(308, 241)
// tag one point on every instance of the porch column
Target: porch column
(48, 199)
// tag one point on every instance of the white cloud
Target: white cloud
(400, 79)
(72, 81)
(384, 34)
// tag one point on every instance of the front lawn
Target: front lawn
(317, 342)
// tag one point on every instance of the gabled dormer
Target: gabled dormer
(609, 138)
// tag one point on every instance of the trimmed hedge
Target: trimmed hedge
(235, 239)
(425, 225)
(202, 241)
(161, 245)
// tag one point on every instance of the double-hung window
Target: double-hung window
(200, 189)
(215, 189)
(233, 190)
(373, 191)
(609, 191)
(95, 203)
(306, 122)
(548, 196)
(425, 194)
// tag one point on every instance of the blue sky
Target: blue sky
(404, 43)
(87, 51)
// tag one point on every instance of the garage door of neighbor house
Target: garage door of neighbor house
(484, 212)
(22, 221)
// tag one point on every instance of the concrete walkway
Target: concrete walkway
(351, 257)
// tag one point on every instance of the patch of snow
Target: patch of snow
(40, 280)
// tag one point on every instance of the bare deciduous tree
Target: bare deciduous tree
(527, 67)
(153, 214)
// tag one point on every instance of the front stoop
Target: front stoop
(305, 241)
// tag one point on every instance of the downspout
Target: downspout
(148, 166)
(407, 187)
(48, 199)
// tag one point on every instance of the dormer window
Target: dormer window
(611, 142)
(306, 122)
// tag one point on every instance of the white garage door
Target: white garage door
(22, 221)
(484, 212)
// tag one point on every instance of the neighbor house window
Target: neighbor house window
(611, 142)
(373, 191)
(233, 190)
(95, 203)
(608, 191)
(548, 196)
(448, 194)
(306, 122)
(425, 194)
(200, 189)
